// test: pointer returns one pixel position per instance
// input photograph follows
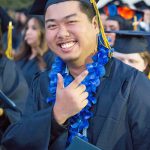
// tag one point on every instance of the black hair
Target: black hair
(88, 10)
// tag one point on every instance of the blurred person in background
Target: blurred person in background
(5, 18)
(145, 24)
(12, 84)
(18, 31)
(33, 55)
(132, 48)
(114, 23)
(121, 17)
(18, 27)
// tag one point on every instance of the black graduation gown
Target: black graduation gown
(30, 67)
(15, 87)
(121, 116)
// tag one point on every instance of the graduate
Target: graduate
(87, 94)
(33, 52)
(13, 85)
(132, 48)
(143, 6)
(114, 23)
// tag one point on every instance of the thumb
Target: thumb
(60, 81)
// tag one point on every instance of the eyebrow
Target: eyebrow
(66, 17)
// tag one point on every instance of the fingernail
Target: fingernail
(86, 72)
(58, 74)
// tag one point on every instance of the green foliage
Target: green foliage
(15, 4)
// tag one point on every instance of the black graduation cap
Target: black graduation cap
(39, 6)
(22, 10)
(4, 20)
(131, 41)
(141, 5)
(110, 8)
(114, 8)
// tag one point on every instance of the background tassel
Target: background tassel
(8, 52)
(149, 75)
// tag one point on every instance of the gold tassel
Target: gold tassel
(135, 23)
(1, 112)
(148, 75)
(106, 43)
(8, 52)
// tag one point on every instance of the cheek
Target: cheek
(141, 66)
(49, 36)
(113, 36)
(50, 39)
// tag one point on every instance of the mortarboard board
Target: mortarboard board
(131, 41)
(39, 6)
(141, 5)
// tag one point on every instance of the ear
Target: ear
(95, 24)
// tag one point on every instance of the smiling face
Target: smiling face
(69, 33)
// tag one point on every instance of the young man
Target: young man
(97, 99)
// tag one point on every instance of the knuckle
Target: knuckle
(86, 101)
(77, 80)
(87, 94)
(83, 87)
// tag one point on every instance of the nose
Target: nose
(63, 32)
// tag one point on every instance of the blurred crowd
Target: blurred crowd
(132, 43)
(27, 55)
(127, 30)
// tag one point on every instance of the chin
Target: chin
(70, 59)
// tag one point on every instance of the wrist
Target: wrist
(59, 117)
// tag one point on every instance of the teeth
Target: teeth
(67, 45)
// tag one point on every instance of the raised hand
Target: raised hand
(71, 99)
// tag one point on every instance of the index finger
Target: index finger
(75, 83)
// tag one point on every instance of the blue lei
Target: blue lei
(79, 122)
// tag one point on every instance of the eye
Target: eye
(71, 21)
(51, 26)
(34, 28)
(113, 28)
(132, 61)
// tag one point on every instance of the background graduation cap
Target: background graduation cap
(131, 41)
(115, 8)
(110, 8)
(141, 5)
(22, 10)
